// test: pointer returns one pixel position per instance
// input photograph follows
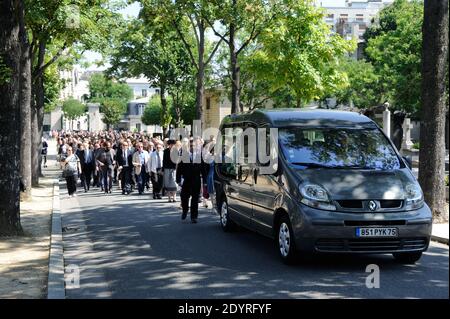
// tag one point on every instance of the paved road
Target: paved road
(136, 247)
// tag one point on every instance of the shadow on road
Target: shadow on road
(143, 250)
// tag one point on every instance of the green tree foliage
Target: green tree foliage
(183, 106)
(112, 96)
(152, 112)
(52, 87)
(160, 57)
(298, 52)
(394, 49)
(5, 72)
(363, 84)
(113, 110)
(101, 88)
(241, 23)
(190, 20)
(73, 109)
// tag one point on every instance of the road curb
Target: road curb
(441, 240)
(56, 288)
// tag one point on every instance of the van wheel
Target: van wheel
(408, 258)
(285, 241)
(225, 222)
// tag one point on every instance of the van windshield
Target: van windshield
(337, 148)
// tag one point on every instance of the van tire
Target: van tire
(285, 241)
(225, 221)
(407, 258)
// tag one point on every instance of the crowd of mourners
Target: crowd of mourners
(137, 162)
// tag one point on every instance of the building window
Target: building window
(138, 127)
(344, 17)
(359, 17)
(144, 92)
(208, 103)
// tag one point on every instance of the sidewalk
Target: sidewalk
(24, 259)
(440, 233)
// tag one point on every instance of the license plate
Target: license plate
(377, 232)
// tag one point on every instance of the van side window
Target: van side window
(263, 161)
(228, 166)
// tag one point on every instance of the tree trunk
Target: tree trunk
(37, 119)
(11, 12)
(162, 96)
(199, 91)
(25, 112)
(37, 116)
(432, 131)
(235, 103)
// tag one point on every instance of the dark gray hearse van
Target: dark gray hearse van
(340, 186)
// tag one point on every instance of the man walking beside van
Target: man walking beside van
(190, 173)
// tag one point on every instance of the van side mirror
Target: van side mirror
(408, 161)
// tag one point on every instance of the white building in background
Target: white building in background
(351, 18)
(141, 88)
(77, 86)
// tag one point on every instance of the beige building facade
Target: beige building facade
(217, 105)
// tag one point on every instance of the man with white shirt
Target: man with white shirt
(140, 160)
(156, 172)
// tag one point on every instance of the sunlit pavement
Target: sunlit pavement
(136, 247)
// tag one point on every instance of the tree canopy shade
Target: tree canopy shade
(394, 49)
(299, 52)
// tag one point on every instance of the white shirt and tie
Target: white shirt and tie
(125, 157)
(156, 161)
(87, 156)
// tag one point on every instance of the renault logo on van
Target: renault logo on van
(373, 205)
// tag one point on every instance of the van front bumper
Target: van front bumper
(335, 232)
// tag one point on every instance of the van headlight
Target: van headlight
(414, 197)
(316, 196)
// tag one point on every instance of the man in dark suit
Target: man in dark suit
(190, 173)
(87, 164)
(80, 153)
(124, 160)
